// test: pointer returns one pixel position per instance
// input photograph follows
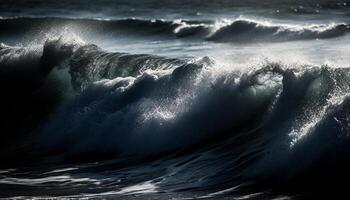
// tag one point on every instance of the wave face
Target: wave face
(89, 63)
(42, 76)
(236, 31)
(161, 124)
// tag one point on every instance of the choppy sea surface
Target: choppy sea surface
(186, 99)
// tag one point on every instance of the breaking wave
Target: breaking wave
(245, 125)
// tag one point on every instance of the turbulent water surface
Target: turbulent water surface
(167, 99)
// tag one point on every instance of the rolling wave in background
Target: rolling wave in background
(241, 30)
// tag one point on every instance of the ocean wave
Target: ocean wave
(237, 121)
(240, 30)
(247, 31)
(158, 108)
(244, 125)
(134, 26)
(37, 78)
(156, 105)
(158, 86)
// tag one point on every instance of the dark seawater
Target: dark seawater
(186, 99)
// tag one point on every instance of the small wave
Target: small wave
(243, 31)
